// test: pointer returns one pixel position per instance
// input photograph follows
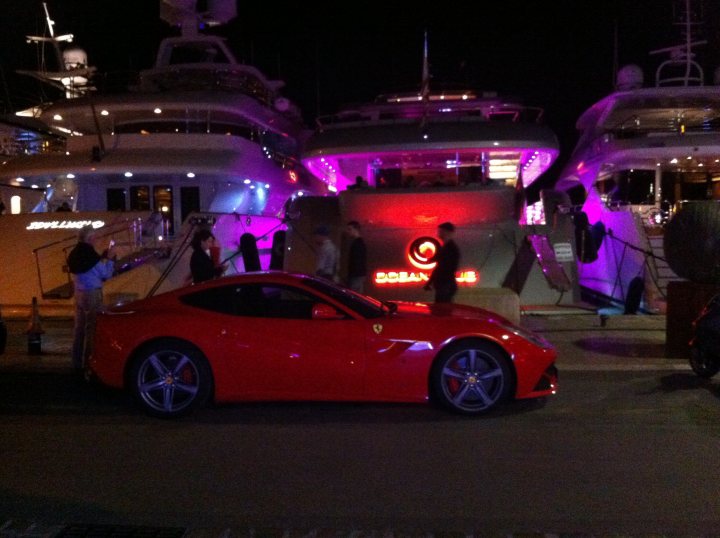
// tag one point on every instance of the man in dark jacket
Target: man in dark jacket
(357, 258)
(447, 260)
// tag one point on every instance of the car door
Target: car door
(279, 351)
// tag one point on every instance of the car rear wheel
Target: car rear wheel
(471, 377)
(170, 378)
(703, 363)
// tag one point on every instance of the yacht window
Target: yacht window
(200, 52)
(634, 187)
(189, 201)
(115, 199)
(606, 186)
(163, 203)
(279, 143)
(140, 198)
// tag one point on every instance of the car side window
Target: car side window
(281, 302)
(220, 299)
(255, 300)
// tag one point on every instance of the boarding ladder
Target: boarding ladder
(133, 247)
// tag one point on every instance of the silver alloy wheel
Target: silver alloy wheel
(473, 379)
(168, 381)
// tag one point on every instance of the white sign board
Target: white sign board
(563, 252)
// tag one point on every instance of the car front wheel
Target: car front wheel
(170, 378)
(471, 378)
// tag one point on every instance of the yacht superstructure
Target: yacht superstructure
(642, 151)
(407, 162)
(200, 133)
(445, 138)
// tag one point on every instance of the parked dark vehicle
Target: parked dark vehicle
(705, 343)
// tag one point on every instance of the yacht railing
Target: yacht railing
(416, 112)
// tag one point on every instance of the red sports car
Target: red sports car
(279, 336)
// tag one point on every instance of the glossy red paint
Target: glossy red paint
(366, 355)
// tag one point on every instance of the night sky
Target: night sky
(555, 54)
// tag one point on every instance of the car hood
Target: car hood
(407, 309)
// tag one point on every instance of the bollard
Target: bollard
(34, 330)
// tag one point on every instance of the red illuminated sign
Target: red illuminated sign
(422, 251)
(417, 277)
(421, 254)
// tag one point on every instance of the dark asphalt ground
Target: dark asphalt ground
(585, 344)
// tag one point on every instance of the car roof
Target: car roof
(251, 276)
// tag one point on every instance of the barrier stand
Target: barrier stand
(34, 330)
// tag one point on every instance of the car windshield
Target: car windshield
(362, 304)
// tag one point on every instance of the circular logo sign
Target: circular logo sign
(422, 252)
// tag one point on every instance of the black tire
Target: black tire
(703, 363)
(471, 377)
(170, 378)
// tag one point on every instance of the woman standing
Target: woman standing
(202, 266)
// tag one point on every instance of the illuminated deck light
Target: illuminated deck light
(246, 181)
(104, 113)
(191, 175)
(158, 111)
(128, 174)
(57, 117)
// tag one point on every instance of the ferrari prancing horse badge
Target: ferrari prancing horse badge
(377, 327)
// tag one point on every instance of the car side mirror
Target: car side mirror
(325, 311)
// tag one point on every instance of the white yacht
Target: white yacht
(199, 133)
(643, 149)
(407, 162)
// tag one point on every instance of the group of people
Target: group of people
(328, 256)
(91, 269)
(442, 279)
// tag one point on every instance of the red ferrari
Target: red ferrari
(279, 336)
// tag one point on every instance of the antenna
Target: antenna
(616, 52)
(425, 83)
(682, 56)
(73, 73)
(425, 88)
